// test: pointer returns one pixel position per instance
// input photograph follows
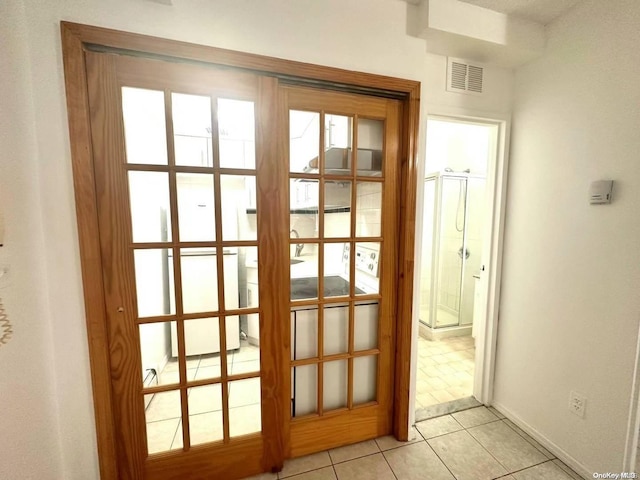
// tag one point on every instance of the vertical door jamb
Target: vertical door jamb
(89, 244)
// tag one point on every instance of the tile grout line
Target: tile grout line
(441, 460)
(484, 448)
(527, 440)
(436, 453)
(389, 465)
(527, 468)
(500, 463)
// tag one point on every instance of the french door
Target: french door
(248, 241)
(342, 176)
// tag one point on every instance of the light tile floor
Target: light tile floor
(445, 370)
(163, 413)
(475, 444)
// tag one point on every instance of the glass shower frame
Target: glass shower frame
(433, 301)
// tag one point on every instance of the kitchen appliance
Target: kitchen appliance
(200, 294)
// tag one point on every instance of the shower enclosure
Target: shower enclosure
(451, 251)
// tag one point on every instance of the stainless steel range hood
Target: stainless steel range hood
(338, 162)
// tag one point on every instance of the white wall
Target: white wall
(28, 422)
(366, 35)
(570, 303)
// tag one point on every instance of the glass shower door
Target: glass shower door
(428, 253)
(451, 251)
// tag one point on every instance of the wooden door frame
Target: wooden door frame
(76, 39)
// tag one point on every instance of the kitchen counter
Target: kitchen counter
(307, 287)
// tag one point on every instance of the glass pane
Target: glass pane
(199, 280)
(473, 246)
(304, 272)
(206, 427)
(230, 266)
(428, 225)
(304, 390)
(192, 129)
(205, 399)
(336, 270)
(172, 365)
(337, 209)
(369, 209)
(196, 207)
(236, 125)
(337, 144)
(162, 415)
(154, 282)
(149, 198)
(245, 420)
(304, 141)
(304, 333)
(210, 365)
(155, 353)
(170, 373)
(246, 359)
(450, 252)
(336, 330)
(303, 207)
(202, 337)
(244, 407)
(250, 298)
(200, 284)
(244, 392)
(367, 268)
(205, 414)
(366, 326)
(365, 373)
(144, 126)
(334, 391)
(370, 143)
(238, 215)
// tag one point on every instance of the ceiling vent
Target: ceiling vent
(464, 78)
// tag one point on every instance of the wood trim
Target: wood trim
(199, 461)
(89, 242)
(149, 45)
(342, 428)
(118, 269)
(271, 234)
(406, 263)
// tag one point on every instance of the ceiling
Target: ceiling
(540, 11)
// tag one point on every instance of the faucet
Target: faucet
(299, 246)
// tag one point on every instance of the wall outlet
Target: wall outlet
(577, 404)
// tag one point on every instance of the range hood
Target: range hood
(338, 161)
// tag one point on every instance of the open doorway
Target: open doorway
(456, 236)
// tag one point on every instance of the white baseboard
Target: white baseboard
(571, 462)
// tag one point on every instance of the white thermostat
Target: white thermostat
(600, 192)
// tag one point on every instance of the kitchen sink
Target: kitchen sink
(307, 287)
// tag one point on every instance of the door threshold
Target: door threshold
(446, 408)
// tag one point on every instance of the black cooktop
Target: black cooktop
(307, 287)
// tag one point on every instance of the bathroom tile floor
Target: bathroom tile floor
(445, 370)
(474, 444)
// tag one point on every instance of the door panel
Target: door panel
(198, 181)
(178, 228)
(343, 153)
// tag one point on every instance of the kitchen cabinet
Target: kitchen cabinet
(304, 344)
